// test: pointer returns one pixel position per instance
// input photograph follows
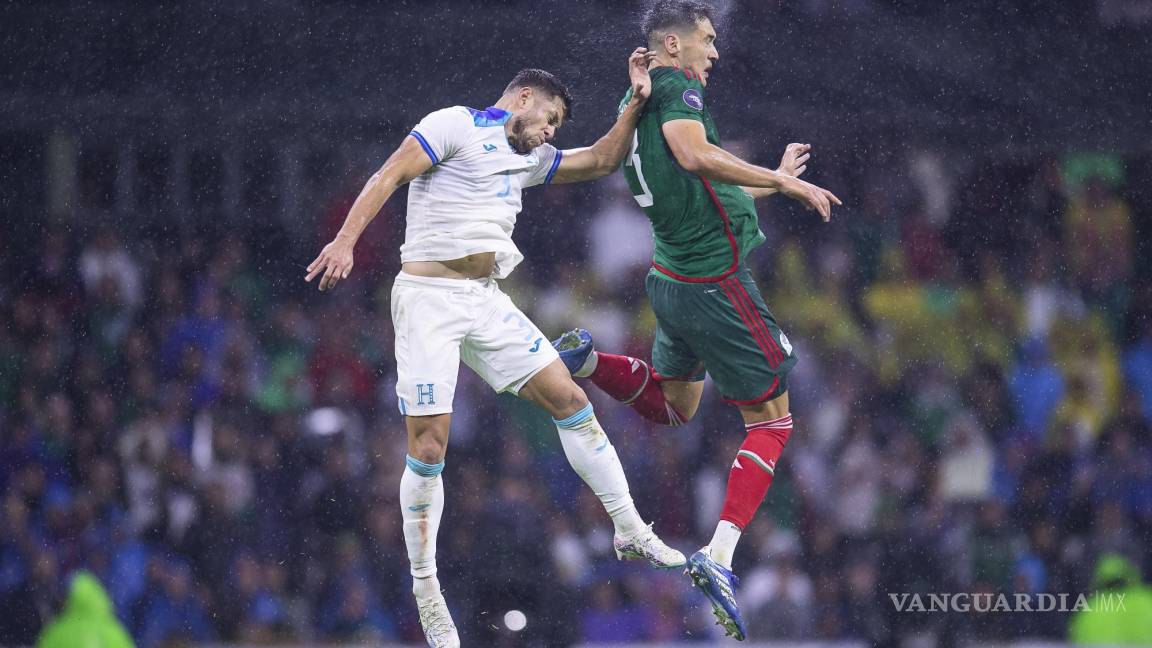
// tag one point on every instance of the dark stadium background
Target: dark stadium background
(218, 442)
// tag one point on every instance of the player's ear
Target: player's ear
(672, 43)
(524, 97)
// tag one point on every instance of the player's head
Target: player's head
(540, 103)
(682, 32)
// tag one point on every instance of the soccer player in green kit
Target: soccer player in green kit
(710, 315)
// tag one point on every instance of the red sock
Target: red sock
(751, 473)
(630, 381)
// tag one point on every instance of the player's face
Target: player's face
(537, 123)
(698, 49)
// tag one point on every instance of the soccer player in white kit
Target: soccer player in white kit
(467, 168)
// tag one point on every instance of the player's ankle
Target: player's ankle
(627, 522)
(425, 586)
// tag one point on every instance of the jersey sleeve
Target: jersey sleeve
(548, 160)
(678, 96)
(442, 133)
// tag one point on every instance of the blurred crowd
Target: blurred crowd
(219, 444)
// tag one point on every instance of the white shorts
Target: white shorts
(439, 322)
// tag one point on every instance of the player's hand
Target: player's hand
(810, 196)
(335, 261)
(795, 159)
(638, 73)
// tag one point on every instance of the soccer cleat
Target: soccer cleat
(718, 585)
(576, 351)
(437, 622)
(646, 545)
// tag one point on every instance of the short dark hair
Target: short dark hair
(542, 80)
(663, 15)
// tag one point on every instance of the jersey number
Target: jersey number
(645, 198)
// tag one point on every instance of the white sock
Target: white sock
(422, 504)
(592, 456)
(425, 587)
(723, 544)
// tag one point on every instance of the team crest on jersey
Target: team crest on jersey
(693, 99)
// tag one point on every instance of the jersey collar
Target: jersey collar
(490, 116)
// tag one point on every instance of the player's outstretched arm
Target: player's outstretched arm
(793, 163)
(608, 152)
(335, 260)
(689, 143)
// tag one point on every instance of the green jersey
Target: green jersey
(703, 230)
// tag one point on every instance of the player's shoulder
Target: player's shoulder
(456, 115)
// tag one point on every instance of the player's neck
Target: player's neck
(663, 60)
(504, 104)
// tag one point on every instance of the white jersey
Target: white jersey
(468, 201)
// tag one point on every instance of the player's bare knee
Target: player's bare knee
(685, 404)
(428, 438)
(566, 401)
(686, 410)
(429, 450)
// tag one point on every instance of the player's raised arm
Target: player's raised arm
(689, 144)
(605, 156)
(335, 260)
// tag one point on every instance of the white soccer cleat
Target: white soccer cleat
(645, 544)
(437, 622)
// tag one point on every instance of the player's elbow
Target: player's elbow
(605, 167)
(689, 161)
(604, 164)
(386, 180)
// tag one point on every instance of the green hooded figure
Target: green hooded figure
(87, 621)
(1126, 624)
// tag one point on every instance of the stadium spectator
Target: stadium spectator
(1107, 623)
(88, 619)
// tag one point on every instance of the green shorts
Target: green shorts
(721, 328)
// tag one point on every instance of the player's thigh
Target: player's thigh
(504, 347)
(768, 410)
(752, 356)
(680, 369)
(683, 395)
(430, 325)
(553, 389)
(672, 354)
(729, 327)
